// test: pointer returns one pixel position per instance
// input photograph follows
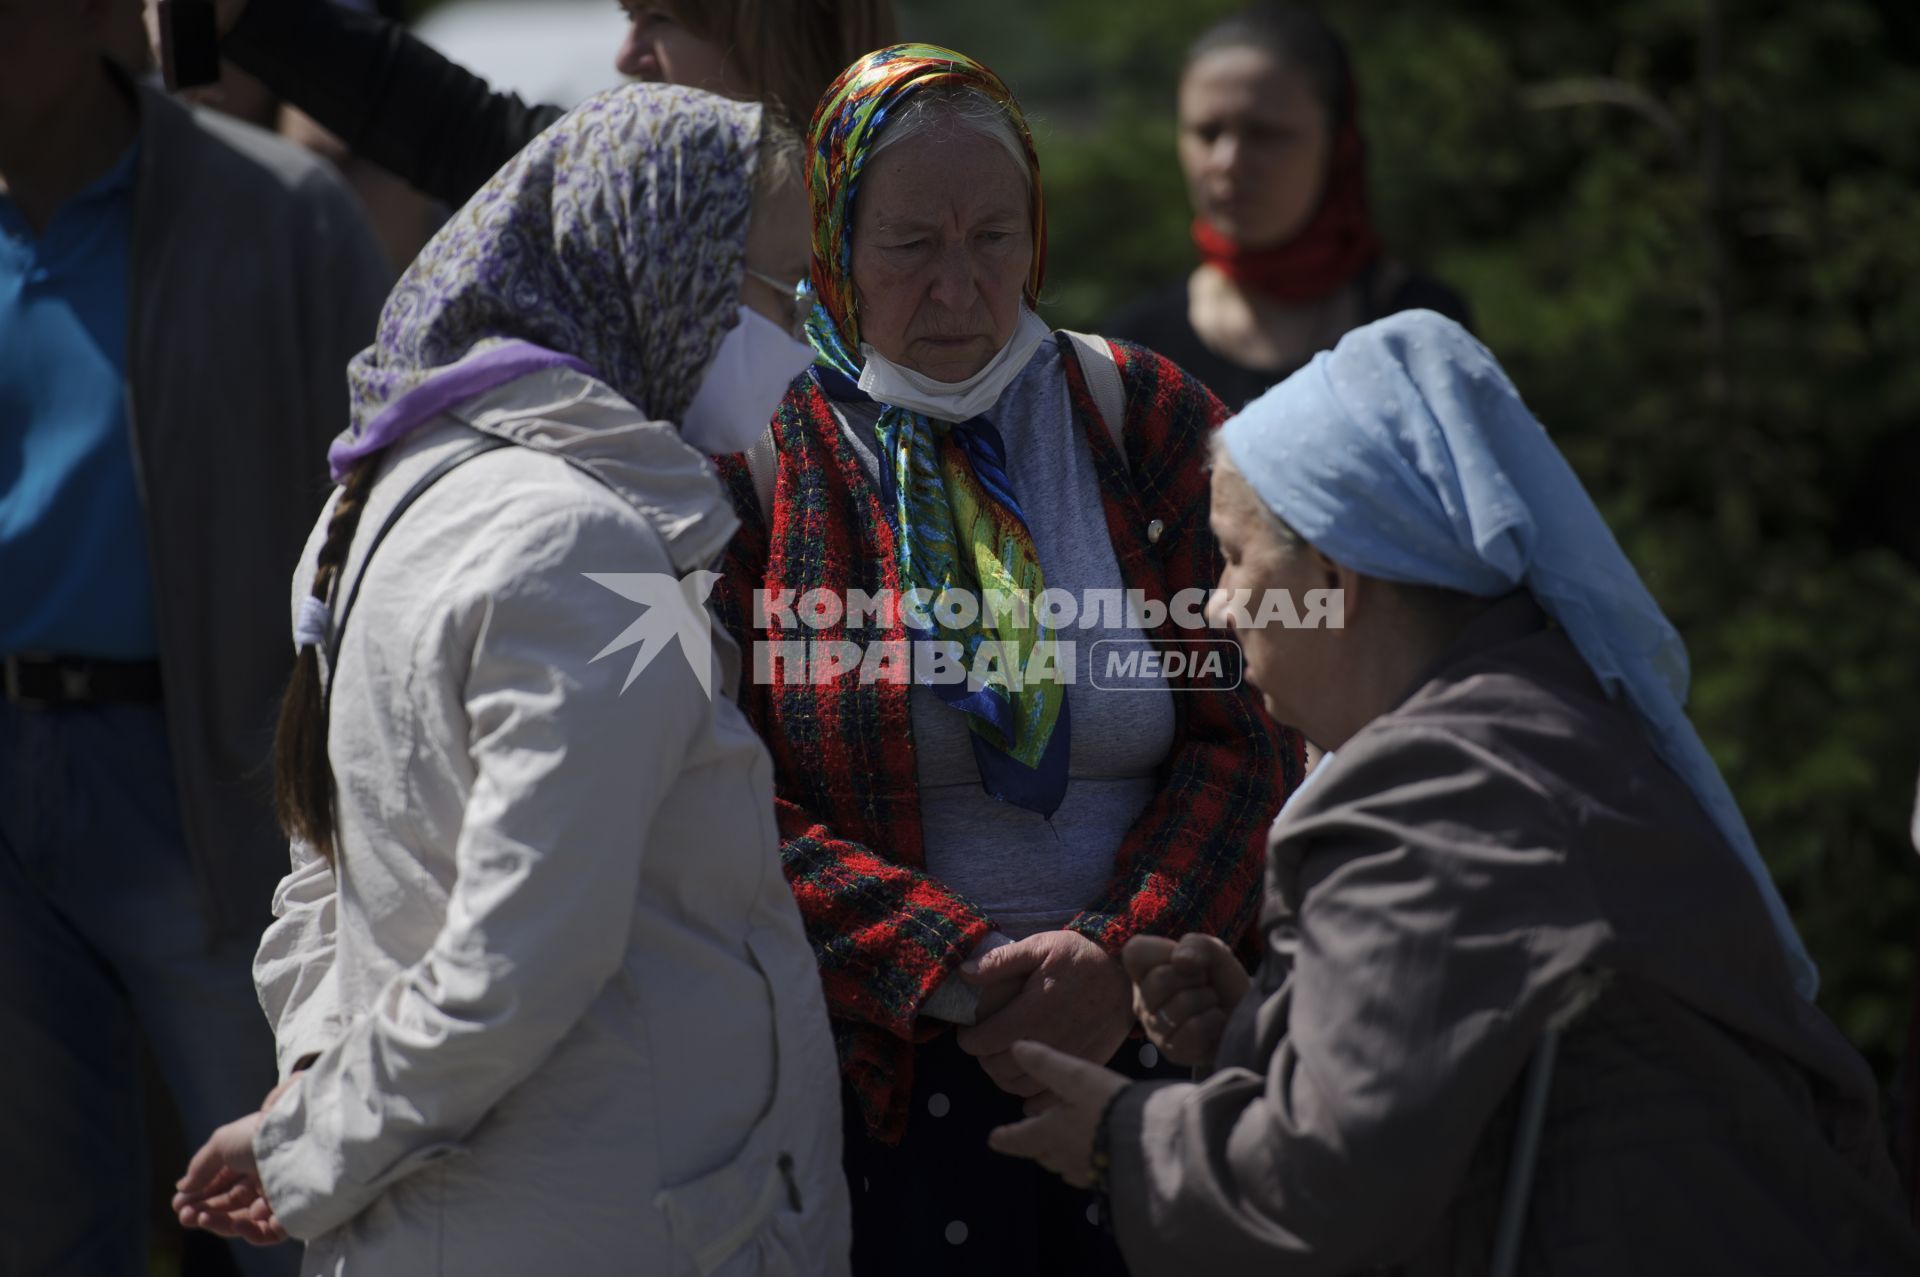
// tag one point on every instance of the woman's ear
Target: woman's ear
(1345, 581)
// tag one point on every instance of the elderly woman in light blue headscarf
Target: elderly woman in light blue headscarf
(1529, 1001)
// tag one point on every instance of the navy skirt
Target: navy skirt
(941, 1202)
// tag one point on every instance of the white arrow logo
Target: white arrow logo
(674, 609)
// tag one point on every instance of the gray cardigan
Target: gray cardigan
(1467, 862)
(255, 279)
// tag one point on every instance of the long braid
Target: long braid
(302, 776)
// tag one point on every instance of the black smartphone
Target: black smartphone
(189, 43)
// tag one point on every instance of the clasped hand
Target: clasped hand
(1056, 987)
(1182, 993)
(221, 1191)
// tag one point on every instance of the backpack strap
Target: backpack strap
(763, 465)
(440, 470)
(400, 507)
(1526, 1152)
(1584, 991)
(1102, 373)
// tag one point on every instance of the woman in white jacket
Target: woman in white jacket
(542, 997)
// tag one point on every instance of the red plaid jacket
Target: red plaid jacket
(886, 935)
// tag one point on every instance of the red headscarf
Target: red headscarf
(1330, 249)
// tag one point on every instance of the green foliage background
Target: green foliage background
(1692, 232)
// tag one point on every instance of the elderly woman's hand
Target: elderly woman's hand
(1060, 1136)
(1073, 997)
(1184, 993)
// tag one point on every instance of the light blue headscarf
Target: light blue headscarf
(1405, 453)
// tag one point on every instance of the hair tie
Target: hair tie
(315, 623)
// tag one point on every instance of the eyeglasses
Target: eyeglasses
(802, 302)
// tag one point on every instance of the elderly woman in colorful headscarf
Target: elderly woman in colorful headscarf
(1530, 1001)
(973, 854)
(1275, 163)
(541, 994)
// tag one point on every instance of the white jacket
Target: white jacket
(567, 1020)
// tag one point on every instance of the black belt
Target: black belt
(39, 681)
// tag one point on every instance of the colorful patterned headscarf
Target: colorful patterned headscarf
(846, 125)
(957, 522)
(615, 242)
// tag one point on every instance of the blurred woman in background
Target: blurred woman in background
(1276, 168)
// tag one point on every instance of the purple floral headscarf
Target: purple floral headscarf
(615, 243)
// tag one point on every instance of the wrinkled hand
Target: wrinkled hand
(221, 1190)
(995, 997)
(1072, 995)
(1184, 993)
(1061, 1137)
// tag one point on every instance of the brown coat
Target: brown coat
(1467, 862)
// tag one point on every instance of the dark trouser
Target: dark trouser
(942, 1202)
(104, 941)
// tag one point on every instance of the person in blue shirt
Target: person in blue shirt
(70, 512)
(179, 295)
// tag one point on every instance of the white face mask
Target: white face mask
(743, 386)
(889, 383)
